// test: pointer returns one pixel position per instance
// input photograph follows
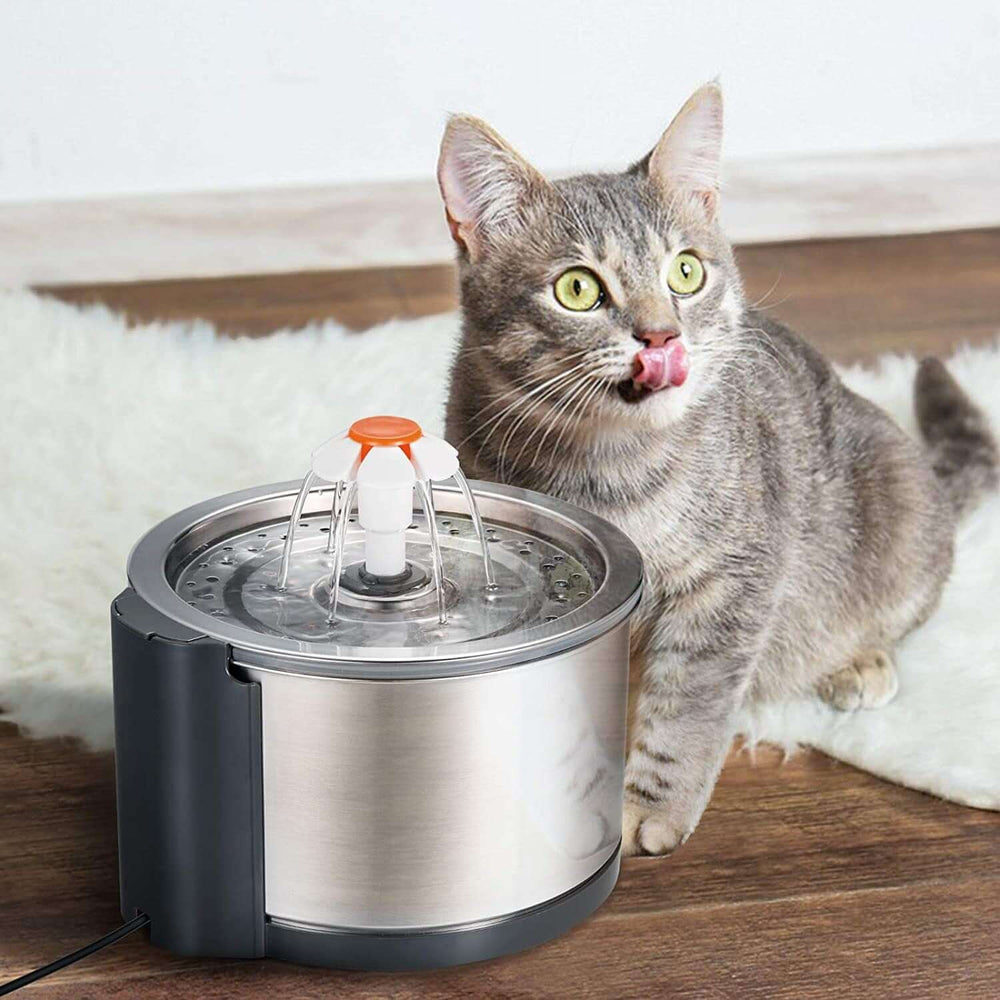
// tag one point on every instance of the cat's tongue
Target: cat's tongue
(658, 367)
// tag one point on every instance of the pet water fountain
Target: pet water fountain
(359, 732)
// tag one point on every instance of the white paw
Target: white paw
(650, 832)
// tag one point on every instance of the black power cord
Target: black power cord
(60, 963)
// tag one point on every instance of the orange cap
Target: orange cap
(385, 431)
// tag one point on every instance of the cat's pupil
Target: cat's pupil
(577, 286)
(685, 269)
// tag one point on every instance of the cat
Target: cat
(791, 532)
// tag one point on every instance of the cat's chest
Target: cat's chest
(665, 532)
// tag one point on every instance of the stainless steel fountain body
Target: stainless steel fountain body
(427, 792)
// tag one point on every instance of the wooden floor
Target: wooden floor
(805, 879)
(855, 298)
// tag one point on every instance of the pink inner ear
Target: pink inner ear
(482, 181)
(457, 200)
(458, 207)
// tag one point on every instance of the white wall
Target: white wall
(113, 96)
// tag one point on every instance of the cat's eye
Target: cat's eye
(578, 289)
(686, 273)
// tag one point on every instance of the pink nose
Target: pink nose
(655, 338)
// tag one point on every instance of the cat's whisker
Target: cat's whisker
(562, 433)
(517, 402)
(579, 411)
(594, 397)
(741, 351)
(525, 381)
(763, 343)
(774, 305)
(524, 386)
(512, 413)
(549, 426)
(569, 394)
(766, 295)
(555, 418)
(538, 370)
(563, 389)
(494, 348)
(547, 366)
(535, 404)
(726, 362)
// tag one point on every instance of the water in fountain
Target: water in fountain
(538, 580)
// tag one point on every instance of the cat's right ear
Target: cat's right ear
(485, 183)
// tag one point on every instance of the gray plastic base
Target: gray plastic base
(188, 769)
(434, 949)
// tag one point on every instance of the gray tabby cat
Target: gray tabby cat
(792, 533)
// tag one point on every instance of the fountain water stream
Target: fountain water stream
(436, 562)
(477, 522)
(340, 530)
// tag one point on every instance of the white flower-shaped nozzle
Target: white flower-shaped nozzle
(434, 458)
(336, 460)
(385, 456)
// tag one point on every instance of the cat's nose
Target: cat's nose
(655, 338)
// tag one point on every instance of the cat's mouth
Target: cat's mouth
(630, 392)
(655, 368)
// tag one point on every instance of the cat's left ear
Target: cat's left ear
(485, 183)
(686, 159)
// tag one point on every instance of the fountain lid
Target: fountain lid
(439, 590)
(564, 577)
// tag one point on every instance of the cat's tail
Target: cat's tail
(962, 447)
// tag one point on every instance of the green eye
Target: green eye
(686, 274)
(578, 289)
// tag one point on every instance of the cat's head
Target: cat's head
(608, 297)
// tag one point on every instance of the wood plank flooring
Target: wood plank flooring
(806, 879)
(854, 298)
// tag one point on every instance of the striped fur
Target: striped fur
(791, 532)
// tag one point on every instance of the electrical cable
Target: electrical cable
(60, 963)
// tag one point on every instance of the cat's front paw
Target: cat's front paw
(868, 681)
(651, 831)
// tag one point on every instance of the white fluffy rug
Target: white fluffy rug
(108, 429)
